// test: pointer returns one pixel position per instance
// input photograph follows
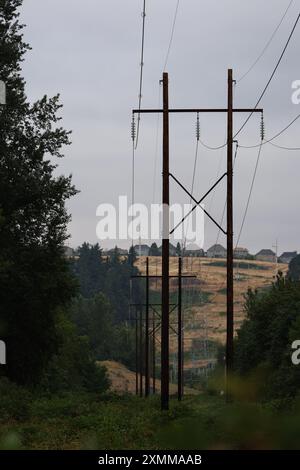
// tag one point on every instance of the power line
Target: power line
(156, 146)
(274, 137)
(221, 285)
(283, 148)
(267, 45)
(141, 71)
(157, 122)
(194, 170)
(250, 194)
(213, 148)
(172, 35)
(259, 100)
(133, 136)
(192, 188)
(271, 77)
(217, 177)
(223, 213)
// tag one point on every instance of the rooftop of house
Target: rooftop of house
(288, 254)
(216, 247)
(193, 247)
(143, 247)
(265, 252)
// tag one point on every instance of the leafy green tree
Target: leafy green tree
(74, 366)
(294, 268)
(34, 276)
(109, 341)
(265, 337)
(154, 251)
(94, 319)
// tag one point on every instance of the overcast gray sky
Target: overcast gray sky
(90, 52)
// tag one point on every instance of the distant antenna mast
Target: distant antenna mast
(276, 257)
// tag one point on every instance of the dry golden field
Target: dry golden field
(204, 319)
(123, 380)
(210, 317)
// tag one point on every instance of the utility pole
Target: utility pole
(180, 349)
(229, 336)
(154, 355)
(141, 352)
(147, 371)
(165, 252)
(136, 354)
(276, 257)
(229, 110)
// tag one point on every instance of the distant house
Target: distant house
(266, 255)
(141, 250)
(240, 253)
(216, 251)
(287, 256)
(194, 250)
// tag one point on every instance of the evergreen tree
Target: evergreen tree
(131, 256)
(294, 268)
(90, 269)
(154, 251)
(178, 249)
(34, 276)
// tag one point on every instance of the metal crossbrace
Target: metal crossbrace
(171, 311)
(198, 203)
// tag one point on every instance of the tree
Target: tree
(265, 338)
(154, 251)
(74, 366)
(131, 256)
(34, 276)
(94, 319)
(112, 278)
(294, 268)
(90, 269)
(178, 249)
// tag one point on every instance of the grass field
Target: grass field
(84, 421)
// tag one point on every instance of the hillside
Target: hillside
(123, 380)
(204, 298)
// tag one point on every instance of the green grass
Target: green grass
(85, 421)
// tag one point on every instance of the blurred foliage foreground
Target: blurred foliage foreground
(82, 420)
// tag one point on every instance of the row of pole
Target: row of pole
(165, 303)
(143, 336)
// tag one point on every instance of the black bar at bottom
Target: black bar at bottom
(134, 459)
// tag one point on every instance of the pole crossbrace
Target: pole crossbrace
(198, 203)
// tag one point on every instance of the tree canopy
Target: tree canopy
(34, 276)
